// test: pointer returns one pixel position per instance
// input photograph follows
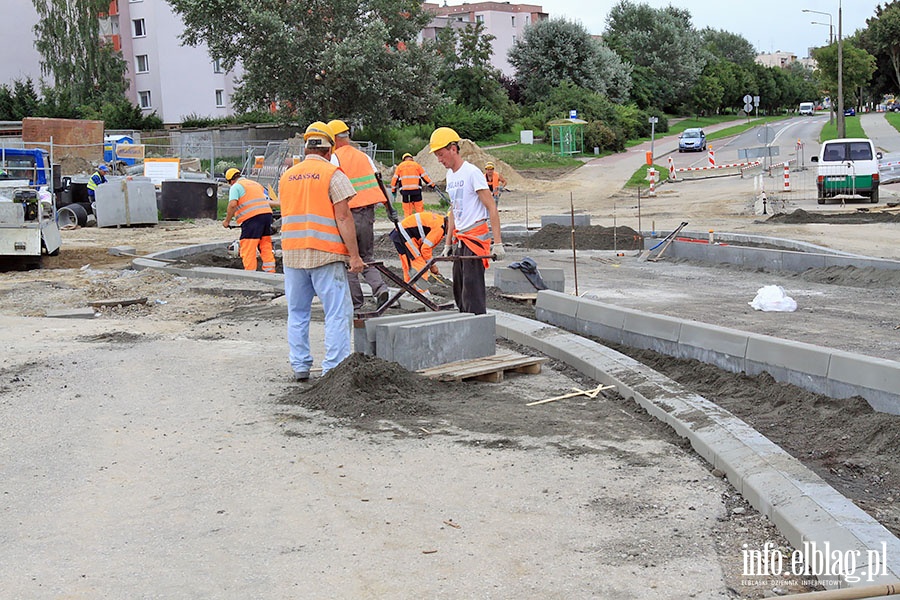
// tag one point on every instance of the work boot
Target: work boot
(382, 297)
(301, 375)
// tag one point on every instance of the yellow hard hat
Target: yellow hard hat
(490, 165)
(338, 127)
(442, 137)
(407, 155)
(231, 174)
(318, 135)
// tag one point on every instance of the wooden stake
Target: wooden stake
(590, 394)
(574, 257)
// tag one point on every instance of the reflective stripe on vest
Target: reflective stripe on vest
(356, 165)
(409, 173)
(253, 202)
(93, 183)
(307, 214)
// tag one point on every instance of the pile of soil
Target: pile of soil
(368, 387)
(591, 237)
(800, 216)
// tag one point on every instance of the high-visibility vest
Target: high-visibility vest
(307, 213)
(356, 165)
(421, 232)
(493, 181)
(253, 202)
(478, 239)
(95, 180)
(408, 173)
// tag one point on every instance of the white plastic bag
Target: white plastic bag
(771, 298)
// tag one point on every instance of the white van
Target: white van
(807, 109)
(847, 167)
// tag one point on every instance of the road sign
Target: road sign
(755, 100)
(765, 135)
(748, 99)
(748, 107)
(760, 152)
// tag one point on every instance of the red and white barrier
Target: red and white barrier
(787, 177)
(711, 155)
(729, 166)
(672, 170)
(652, 176)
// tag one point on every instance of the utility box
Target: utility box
(181, 199)
(526, 136)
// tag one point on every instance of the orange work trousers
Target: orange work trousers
(249, 248)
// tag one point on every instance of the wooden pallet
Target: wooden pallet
(532, 298)
(487, 368)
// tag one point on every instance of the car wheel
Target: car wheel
(873, 198)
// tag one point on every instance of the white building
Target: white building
(164, 76)
(505, 21)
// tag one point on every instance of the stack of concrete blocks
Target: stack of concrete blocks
(581, 220)
(420, 341)
(513, 281)
(126, 202)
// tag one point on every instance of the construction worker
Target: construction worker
(415, 240)
(317, 239)
(410, 175)
(369, 191)
(98, 177)
(471, 208)
(495, 181)
(249, 204)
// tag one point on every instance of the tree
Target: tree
(660, 42)
(317, 59)
(83, 66)
(553, 51)
(882, 38)
(728, 46)
(857, 69)
(466, 73)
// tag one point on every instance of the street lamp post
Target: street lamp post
(830, 30)
(841, 130)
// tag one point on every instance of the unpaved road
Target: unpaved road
(160, 451)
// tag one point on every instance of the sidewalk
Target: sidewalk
(882, 133)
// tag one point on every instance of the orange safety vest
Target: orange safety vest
(478, 238)
(307, 213)
(493, 181)
(253, 202)
(422, 232)
(356, 165)
(408, 173)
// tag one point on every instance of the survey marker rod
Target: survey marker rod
(574, 257)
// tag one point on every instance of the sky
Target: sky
(770, 25)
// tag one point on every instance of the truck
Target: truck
(807, 109)
(28, 227)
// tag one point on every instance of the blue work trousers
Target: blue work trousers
(329, 283)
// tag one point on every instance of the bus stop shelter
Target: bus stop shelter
(567, 136)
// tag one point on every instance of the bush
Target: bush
(477, 124)
(598, 134)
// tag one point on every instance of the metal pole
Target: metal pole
(841, 124)
(574, 257)
(640, 231)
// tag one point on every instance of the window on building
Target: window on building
(479, 18)
(220, 98)
(217, 66)
(141, 63)
(513, 21)
(138, 28)
(514, 39)
(144, 99)
(527, 20)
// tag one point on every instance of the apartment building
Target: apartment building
(505, 21)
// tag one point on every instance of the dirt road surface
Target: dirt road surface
(160, 450)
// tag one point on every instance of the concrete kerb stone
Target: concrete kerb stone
(435, 342)
(775, 483)
(384, 329)
(364, 337)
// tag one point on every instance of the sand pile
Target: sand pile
(475, 155)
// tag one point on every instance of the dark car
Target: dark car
(850, 112)
(693, 139)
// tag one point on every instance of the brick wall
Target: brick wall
(71, 137)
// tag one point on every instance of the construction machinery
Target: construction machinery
(28, 226)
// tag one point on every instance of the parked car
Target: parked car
(693, 139)
(847, 167)
(807, 109)
(895, 107)
(850, 112)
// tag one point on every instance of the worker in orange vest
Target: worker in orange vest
(415, 239)
(495, 180)
(249, 204)
(370, 191)
(318, 240)
(410, 175)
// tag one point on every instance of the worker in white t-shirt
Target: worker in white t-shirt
(472, 207)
